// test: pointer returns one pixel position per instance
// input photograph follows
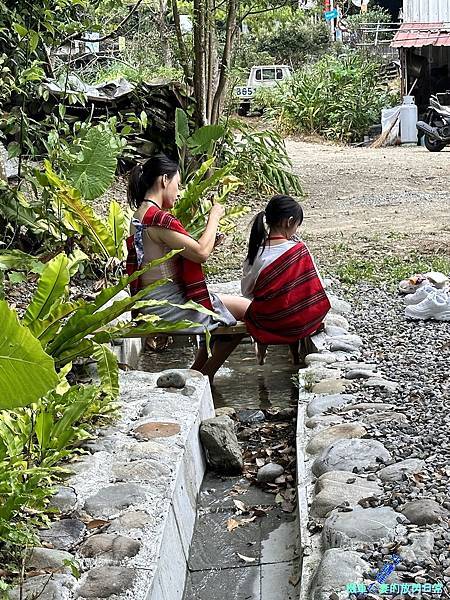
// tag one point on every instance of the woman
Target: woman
(153, 189)
(280, 277)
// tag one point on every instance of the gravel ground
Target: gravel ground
(416, 356)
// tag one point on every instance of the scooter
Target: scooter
(436, 127)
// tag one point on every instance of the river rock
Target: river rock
(359, 374)
(63, 534)
(48, 559)
(110, 546)
(337, 568)
(103, 582)
(338, 345)
(333, 319)
(268, 473)
(141, 471)
(321, 421)
(318, 371)
(339, 306)
(390, 386)
(330, 386)
(44, 588)
(368, 406)
(219, 440)
(349, 338)
(420, 549)
(249, 416)
(323, 402)
(226, 411)
(363, 526)
(336, 487)
(320, 357)
(327, 436)
(133, 519)
(384, 417)
(397, 471)
(335, 331)
(424, 512)
(171, 378)
(113, 499)
(64, 500)
(345, 455)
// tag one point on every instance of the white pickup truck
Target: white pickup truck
(260, 76)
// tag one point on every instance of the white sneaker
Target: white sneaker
(435, 306)
(420, 294)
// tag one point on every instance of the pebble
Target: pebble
(424, 512)
(268, 473)
(172, 378)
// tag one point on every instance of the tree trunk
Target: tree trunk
(211, 58)
(164, 33)
(225, 62)
(200, 89)
(185, 63)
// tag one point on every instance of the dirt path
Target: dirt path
(361, 200)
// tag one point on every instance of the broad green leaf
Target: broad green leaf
(116, 222)
(79, 398)
(181, 128)
(34, 40)
(17, 260)
(14, 149)
(46, 329)
(20, 29)
(51, 288)
(202, 140)
(26, 372)
(92, 224)
(108, 369)
(43, 427)
(63, 385)
(94, 174)
(143, 328)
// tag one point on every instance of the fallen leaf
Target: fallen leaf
(294, 579)
(240, 505)
(232, 524)
(287, 507)
(247, 559)
(94, 524)
(279, 499)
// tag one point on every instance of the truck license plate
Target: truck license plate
(244, 92)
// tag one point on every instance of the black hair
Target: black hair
(279, 208)
(143, 176)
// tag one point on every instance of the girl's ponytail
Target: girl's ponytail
(258, 236)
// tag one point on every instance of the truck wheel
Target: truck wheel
(242, 110)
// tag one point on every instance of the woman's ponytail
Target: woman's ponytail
(142, 177)
(258, 236)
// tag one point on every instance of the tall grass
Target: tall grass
(338, 97)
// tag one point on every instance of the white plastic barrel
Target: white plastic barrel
(408, 120)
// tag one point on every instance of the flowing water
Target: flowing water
(240, 383)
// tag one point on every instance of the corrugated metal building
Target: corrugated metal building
(424, 43)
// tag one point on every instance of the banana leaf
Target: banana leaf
(108, 369)
(92, 224)
(26, 372)
(52, 286)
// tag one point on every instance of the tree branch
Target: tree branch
(181, 45)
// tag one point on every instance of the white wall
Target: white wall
(426, 11)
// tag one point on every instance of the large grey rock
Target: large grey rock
(424, 512)
(359, 374)
(103, 582)
(269, 473)
(44, 588)
(63, 534)
(335, 320)
(140, 470)
(335, 330)
(363, 526)
(349, 338)
(171, 378)
(338, 345)
(420, 549)
(322, 421)
(110, 546)
(64, 500)
(345, 455)
(375, 382)
(341, 307)
(330, 386)
(320, 357)
(112, 499)
(328, 436)
(321, 403)
(337, 568)
(397, 471)
(48, 559)
(133, 519)
(338, 487)
(221, 446)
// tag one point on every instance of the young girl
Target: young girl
(288, 301)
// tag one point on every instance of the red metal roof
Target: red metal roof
(415, 35)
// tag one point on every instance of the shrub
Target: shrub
(339, 97)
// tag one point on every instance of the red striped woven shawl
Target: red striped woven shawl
(191, 272)
(289, 300)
